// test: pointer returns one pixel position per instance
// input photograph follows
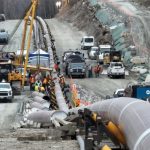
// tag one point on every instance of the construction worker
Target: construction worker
(62, 81)
(38, 76)
(45, 82)
(97, 70)
(38, 84)
(90, 71)
(48, 77)
(32, 81)
(42, 89)
(56, 66)
(77, 102)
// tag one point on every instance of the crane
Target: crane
(31, 12)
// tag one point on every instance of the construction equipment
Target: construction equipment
(139, 91)
(9, 73)
(98, 133)
(31, 12)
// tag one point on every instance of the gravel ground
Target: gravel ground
(8, 140)
(98, 87)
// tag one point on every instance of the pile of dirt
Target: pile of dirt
(82, 15)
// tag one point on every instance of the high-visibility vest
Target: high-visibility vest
(38, 83)
(32, 80)
(42, 89)
(36, 88)
(77, 102)
(45, 81)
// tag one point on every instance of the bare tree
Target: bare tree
(15, 9)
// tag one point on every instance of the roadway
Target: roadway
(15, 43)
(68, 37)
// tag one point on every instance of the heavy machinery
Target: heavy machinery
(9, 73)
(30, 14)
(106, 54)
(139, 91)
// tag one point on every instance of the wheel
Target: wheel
(123, 76)
(10, 100)
(84, 76)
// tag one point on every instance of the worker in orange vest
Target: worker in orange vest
(77, 102)
(32, 81)
(97, 70)
(45, 82)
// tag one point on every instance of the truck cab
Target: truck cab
(6, 92)
(116, 69)
(77, 69)
(87, 42)
(103, 54)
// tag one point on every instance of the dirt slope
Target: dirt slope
(143, 2)
(82, 15)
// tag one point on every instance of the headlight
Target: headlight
(10, 93)
(71, 70)
(83, 70)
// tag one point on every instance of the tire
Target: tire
(84, 76)
(10, 101)
(123, 76)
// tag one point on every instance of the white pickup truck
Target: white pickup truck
(116, 69)
(6, 92)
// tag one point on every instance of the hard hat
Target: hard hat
(42, 88)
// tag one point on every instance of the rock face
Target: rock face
(143, 2)
(15, 9)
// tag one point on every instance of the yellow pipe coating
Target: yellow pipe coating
(116, 132)
(106, 148)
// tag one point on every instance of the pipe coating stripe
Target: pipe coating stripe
(127, 107)
(142, 136)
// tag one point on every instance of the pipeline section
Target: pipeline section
(81, 142)
(132, 116)
(58, 92)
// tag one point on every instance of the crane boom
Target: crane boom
(32, 11)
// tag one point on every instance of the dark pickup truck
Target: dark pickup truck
(75, 65)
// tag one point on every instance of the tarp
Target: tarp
(40, 58)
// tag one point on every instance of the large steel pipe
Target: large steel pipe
(132, 117)
(81, 142)
(58, 92)
(60, 98)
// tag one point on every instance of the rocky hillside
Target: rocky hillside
(82, 15)
(14, 9)
(143, 2)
